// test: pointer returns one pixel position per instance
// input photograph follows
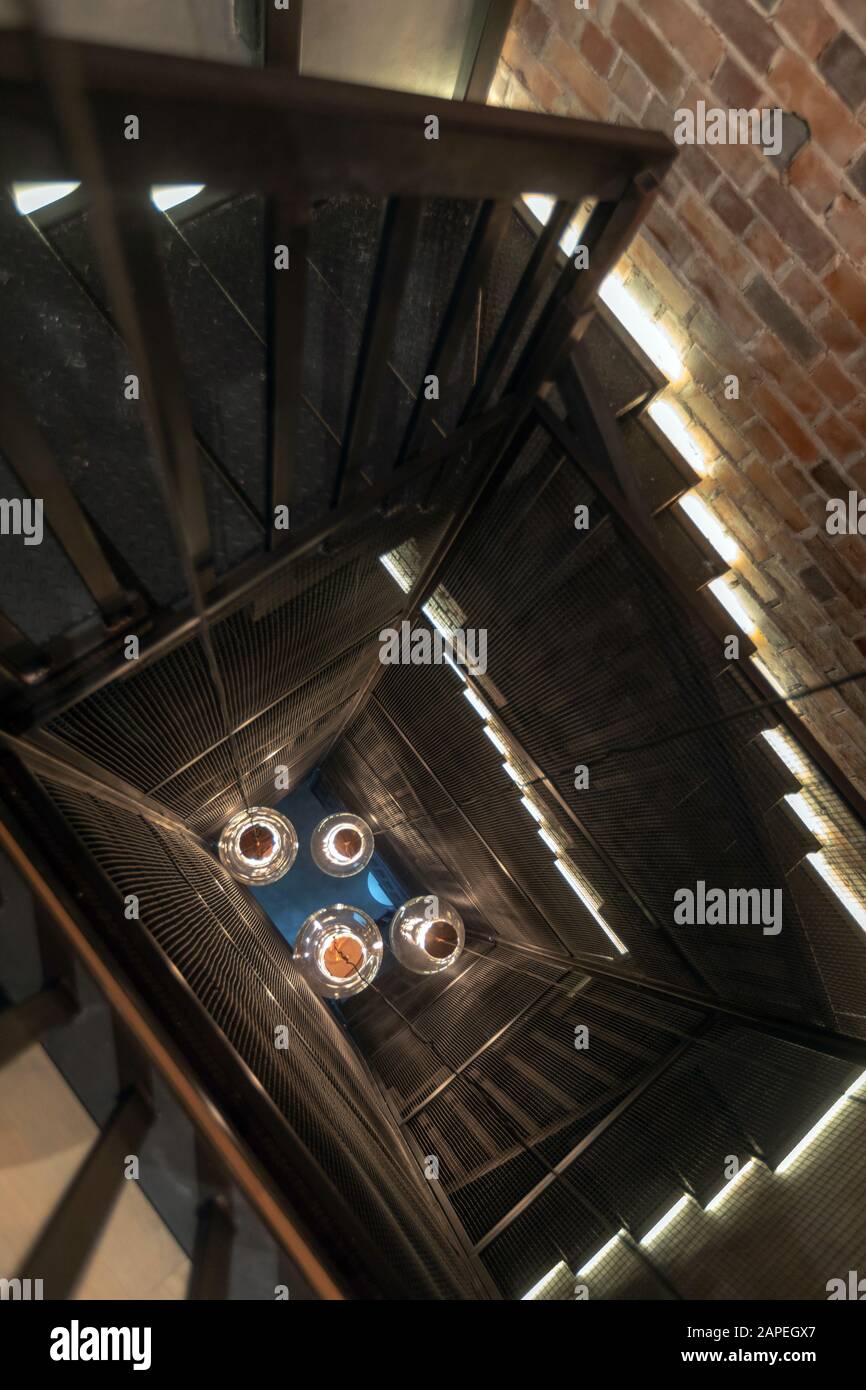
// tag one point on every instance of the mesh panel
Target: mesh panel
(240, 969)
(95, 433)
(285, 691)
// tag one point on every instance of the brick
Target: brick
(843, 442)
(792, 481)
(856, 417)
(766, 247)
(676, 295)
(847, 221)
(645, 293)
(817, 584)
(828, 478)
(769, 354)
(519, 98)
(794, 135)
(668, 234)
(652, 56)
(596, 49)
(671, 188)
(799, 390)
(816, 181)
(771, 489)
(591, 95)
(837, 332)
(730, 306)
(853, 552)
(823, 553)
(856, 13)
(764, 516)
(808, 24)
(744, 164)
(713, 421)
(848, 620)
(738, 410)
(849, 291)
(567, 18)
(698, 168)
(843, 65)
(707, 373)
(798, 442)
(831, 123)
(733, 210)
(765, 442)
(714, 239)
(857, 367)
(745, 28)
(532, 24)
(687, 33)
(794, 226)
(857, 174)
(730, 479)
(801, 290)
(720, 345)
(535, 77)
(734, 87)
(836, 386)
(742, 531)
(781, 319)
(631, 87)
(788, 545)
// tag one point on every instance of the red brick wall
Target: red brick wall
(752, 270)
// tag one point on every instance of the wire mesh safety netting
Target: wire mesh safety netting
(546, 1149)
(240, 970)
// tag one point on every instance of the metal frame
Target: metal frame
(215, 1113)
(287, 223)
(487, 233)
(396, 243)
(338, 136)
(590, 460)
(64, 687)
(560, 1169)
(491, 20)
(312, 138)
(26, 448)
(841, 1045)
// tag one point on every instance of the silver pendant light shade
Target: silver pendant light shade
(258, 846)
(427, 935)
(338, 951)
(342, 845)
